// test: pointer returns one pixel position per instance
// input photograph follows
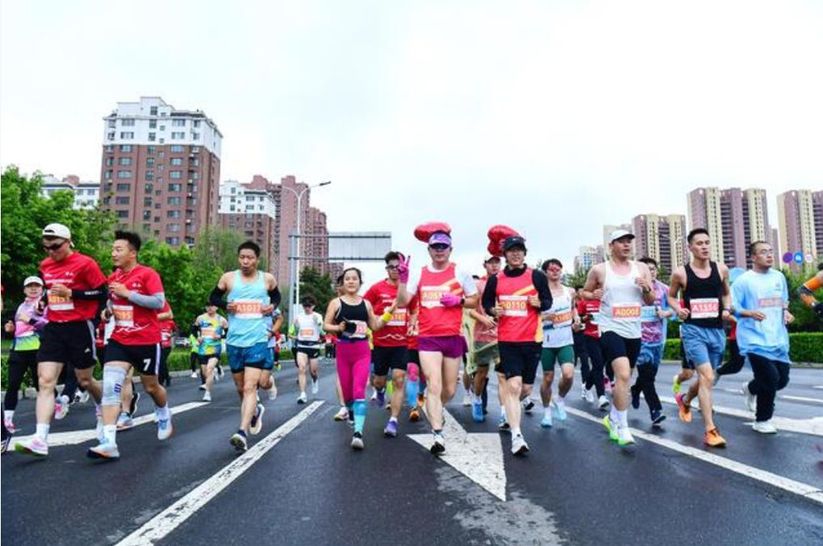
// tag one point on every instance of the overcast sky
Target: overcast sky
(554, 117)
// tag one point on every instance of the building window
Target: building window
(149, 175)
(121, 200)
(149, 162)
(178, 123)
(108, 175)
(176, 161)
(112, 123)
(122, 214)
(147, 227)
(175, 187)
(195, 136)
(109, 161)
(125, 147)
(195, 149)
(152, 124)
(151, 149)
(173, 201)
(162, 127)
(127, 122)
(148, 188)
(125, 161)
(173, 214)
(173, 240)
(109, 148)
(126, 135)
(175, 175)
(152, 110)
(152, 137)
(195, 123)
(123, 187)
(146, 203)
(110, 136)
(177, 135)
(176, 149)
(123, 174)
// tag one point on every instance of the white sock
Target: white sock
(547, 410)
(64, 399)
(503, 412)
(8, 414)
(623, 416)
(561, 401)
(393, 419)
(163, 413)
(516, 432)
(614, 415)
(42, 431)
(110, 433)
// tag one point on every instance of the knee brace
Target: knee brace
(113, 378)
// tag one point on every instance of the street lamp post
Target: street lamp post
(294, 292)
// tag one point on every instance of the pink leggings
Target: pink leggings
(353, 359)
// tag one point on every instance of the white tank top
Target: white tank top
(558, 332)
(621, 304)
(308, 329)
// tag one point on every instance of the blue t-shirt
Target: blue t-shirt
(767, 293)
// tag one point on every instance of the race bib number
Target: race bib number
(60, 303)
(704, 308)
(648, 313)
(248, 309)
(208, 332)
(562, 318)
(430, 296)
(123, 315)
(626, 311)
(306, 334)
(770, 302)
(514, 306)
(360, 328)
(398, 318)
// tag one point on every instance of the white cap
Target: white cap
(34, 279)
(619, 234)
(57, 230)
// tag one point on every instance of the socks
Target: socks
(359, 415)
(8, 414)
(623, 418)
(163, 413)
(110, 433)
(42, 431)
(614, 415)
(560, 401)
(503, 412)
(393, 419)
(64, 399)
(547, 411)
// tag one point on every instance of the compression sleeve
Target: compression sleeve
(541, 283)
(101, 293)
(275, 297)
(149, 301)
(216, 298)
(489, 294)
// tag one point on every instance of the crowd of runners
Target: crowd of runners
(407, 337)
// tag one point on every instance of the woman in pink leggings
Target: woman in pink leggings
(350, 316)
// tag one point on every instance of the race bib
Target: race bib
(248, 309)
(770, 302)
(430, 296)
(626, 311)
(360, 328)
(306, 334)
(562, 318)
(648, 313)
(60, 303)
(514, 306)
(704, 308)
(398, 318)
(208, 332)
(123, 315)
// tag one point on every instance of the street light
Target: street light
(294, 291)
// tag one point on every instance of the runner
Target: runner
(389, 343)
(486, 353)
(626, 287)
(652, 341)
(194, 361)
(76, 290)
(251, 294)
(27, 326)
(706, 304)
(558, 342)
(273, 325)
(136, 295)
(589, 310)
(580, 353)
(735, 362)
(350, 316)
(516, 297)
(415, 377)
(761, 301)
(443, 291)
(807, 290)
(167, 327)
(210, 329)
(308, 331)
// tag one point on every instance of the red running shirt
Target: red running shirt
(519, 321)
(381, 295)
(133, 324)
(589, 307)
(76, 272)
(435, 320)
(166, 327)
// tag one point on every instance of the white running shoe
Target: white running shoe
(84, 397)
(164, 428)
(357, 441)
(34, 446)
(624, 436)
(467, 400)
(342, 414)
(315, 386)
(124, 421)
(764, 427)
(207, 396)
(61, 409)
(273, 391)
(519, 445)
(751, 399)
(105, 450)
(302, 399)
(603, 402)
(590, 395)
(194, 375)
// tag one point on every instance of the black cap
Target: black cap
(514, 241)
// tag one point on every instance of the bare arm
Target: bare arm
(726, 294)
(593, 289)
(328, 323)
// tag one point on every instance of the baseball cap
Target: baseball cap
(440, 238)
(514, 241)
(619, 234)
(57, 230)
(33, 280)
(489, 257)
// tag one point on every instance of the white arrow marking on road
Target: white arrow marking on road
(169, 519)
(478, 456)
(83, 436)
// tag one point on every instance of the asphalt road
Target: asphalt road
(304, 484)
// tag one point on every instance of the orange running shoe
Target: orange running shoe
(414, 414)
(684, 410)
(712, 438)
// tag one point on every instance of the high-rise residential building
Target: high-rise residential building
(775, 241)
(817, 212)
(795, 210)
(589, 256)
(250, 210)
(86, 194)
(734, 218)
(160, 169)
(662, 237)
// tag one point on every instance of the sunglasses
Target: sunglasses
(53, 247)
(439, 247)
(391, 267)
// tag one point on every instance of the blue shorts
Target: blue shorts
(650, 353)
(703, 345)
(257, 356)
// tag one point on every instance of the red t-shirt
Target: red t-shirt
(589, 307)
(381, 295)
(134, 324)
(76, 272)
(434, 319)
(166, 327)
(519, 322)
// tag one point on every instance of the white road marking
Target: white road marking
(82, 436)
(812, 426)
(818, 387)
(169, 519)
(799, 398)
(478, 456)
(798, 488)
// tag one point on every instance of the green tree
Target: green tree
(804, 318)
(320, 287)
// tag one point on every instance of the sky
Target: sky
(553, 117)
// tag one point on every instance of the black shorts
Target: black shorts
(144, 358)
(413, 356)
(615, 346)
(204, 359)
(386, 358)
(69, 343)
(519, 359)
(310, 352)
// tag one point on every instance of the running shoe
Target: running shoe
(611, 426)
(764, 427)
(256, 424)
(84, 397)
(583, 392)
(278, 367)
(380, 399)
(547, 420)
(135, 399)
(603, 402)
(467, 400)
(164, 428)
(635, 398)
(61, 409)
(684, 410)
(33, 446)
(559, 411)
(124, 421)
(751, 399)
(373, 396)
(4, 445)
(624, 436)
(676, 384)
(206, 396)
(9, 424)
(391, 429)
(104, 450)
(315, 386)
(219, 372)
(357, 441)
(273, 391)
(519, 445)
(712, 438)
(477, 411)
(194, 375)
(528, 406)
(414, 414)
(238, 440)
(76, 398)
(202, 387)
(98, 430)
(657, 417)
(439, 444)
(591, 395)
(342, 414)
(503, 425)
(302, 398)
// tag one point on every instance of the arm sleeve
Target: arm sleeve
(489, 293)
(149, 301)
(97, 294)
(274, 296)
(541, 283)
(216, 298)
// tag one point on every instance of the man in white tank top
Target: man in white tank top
(624, 286)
